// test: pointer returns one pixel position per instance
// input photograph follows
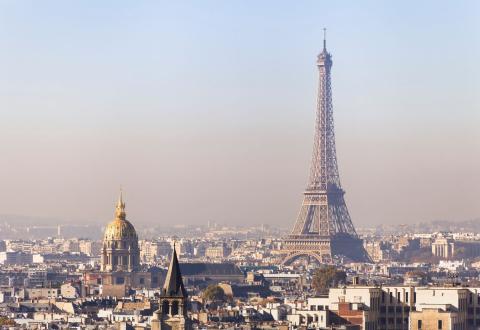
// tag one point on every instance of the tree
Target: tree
(214, 293)
(326, 277)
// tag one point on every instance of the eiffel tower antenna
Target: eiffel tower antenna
(325, 39)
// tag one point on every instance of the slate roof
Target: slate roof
(173, 286)
(206, 269)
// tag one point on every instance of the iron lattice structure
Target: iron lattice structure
(323, 228)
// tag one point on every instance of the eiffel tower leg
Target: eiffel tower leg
(310, 255)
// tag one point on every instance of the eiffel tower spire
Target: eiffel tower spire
(323, 228)
(324, 39)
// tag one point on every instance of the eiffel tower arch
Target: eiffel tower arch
(323, 228)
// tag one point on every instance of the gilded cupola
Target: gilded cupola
(120, 250)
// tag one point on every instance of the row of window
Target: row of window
(117, 244)
(393, 309)
(392, 320)
(439, 324)
(119, 260)
(399, 296)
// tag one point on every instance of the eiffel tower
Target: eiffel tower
(324, 229)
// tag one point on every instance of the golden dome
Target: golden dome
(120, 228)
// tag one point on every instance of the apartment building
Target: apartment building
(397, 308)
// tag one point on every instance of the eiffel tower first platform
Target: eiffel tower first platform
(324, 229)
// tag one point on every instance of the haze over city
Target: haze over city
(205, 112)
(239, 165)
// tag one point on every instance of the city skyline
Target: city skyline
(196, 122)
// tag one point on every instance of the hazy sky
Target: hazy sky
(204, 110)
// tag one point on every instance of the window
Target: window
(119, 280)
(391, 297)
(414, 297)
(406, 297)
(398, 296)
(419, 324)
(440, 324)
(142, 280)
(165, 308)
(174, 308)
(383, 297)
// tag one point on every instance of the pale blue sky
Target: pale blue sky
(204, 110)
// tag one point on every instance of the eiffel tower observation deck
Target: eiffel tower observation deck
(323, 229)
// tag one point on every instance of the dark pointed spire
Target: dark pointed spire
(173, 286)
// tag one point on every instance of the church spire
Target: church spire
(173, 286)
